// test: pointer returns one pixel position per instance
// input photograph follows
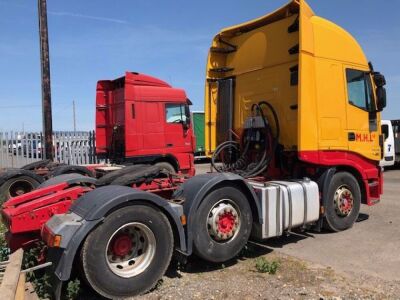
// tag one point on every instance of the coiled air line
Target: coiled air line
(248, 158)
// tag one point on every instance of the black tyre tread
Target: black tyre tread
(160, 267)
(166, 166)
(331, 221)
(36, 165)
(83, 180)
(110, 177)
(52, 165)
(204, 246)
(71, 169)
(145, 174)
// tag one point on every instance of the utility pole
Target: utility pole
(45, 71)
(73, 113)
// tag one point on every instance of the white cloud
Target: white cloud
(82, 16)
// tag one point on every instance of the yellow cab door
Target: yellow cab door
(362, 117)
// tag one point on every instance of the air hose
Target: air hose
(238, 157)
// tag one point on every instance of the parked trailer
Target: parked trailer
(389, 152)
(391, 144)
(198, 128)
(396, 132)
(139, 120)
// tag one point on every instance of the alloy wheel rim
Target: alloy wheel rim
(130, 249)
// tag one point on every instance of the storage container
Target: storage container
(285, 205)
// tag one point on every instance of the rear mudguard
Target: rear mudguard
(91, 209)
(11, 173)
(323, 182)
(193, 191)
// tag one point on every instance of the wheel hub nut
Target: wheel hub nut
(223, 222)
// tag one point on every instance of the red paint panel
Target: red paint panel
(144, 131)
(368, 169)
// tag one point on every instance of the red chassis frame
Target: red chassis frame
(25, 215)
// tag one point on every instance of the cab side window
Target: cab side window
(385, 131)
(175, 113)
(359, 89)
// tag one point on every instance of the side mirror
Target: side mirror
(381, 97)
(186, 121)
(379, 79)
(380, 82)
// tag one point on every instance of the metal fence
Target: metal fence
(21, 148)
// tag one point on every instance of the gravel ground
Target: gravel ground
(295, 279)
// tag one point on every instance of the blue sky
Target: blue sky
(92, 40)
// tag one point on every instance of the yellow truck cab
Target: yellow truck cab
(326, 96)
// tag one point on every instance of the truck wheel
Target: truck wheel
(166, 166)
(17, 186)
(344, 201)
(223, 225)
(128, 253)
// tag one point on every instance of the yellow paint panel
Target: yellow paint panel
(315, 114)
(331, 105)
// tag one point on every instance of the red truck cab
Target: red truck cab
(142, 119)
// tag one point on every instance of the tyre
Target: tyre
(17, 186)
(166, 166)
(344, 201)
(128, 253)
(72, 178)
(145, 174)
(60, 170)
(110, 177)
(36, 165)
(222, 225)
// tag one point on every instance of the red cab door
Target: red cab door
(178, 128)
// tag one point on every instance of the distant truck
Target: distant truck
(391, 152)
(139, 120)
(143, 120)
(198, 128)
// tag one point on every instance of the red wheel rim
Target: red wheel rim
(226, 223)
(122, 245)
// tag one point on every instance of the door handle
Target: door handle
(352, 136)
(170, 145)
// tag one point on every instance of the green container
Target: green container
(198, 126)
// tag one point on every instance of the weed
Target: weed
(4, 250)
(158, 285)
(265, 266)
(4, 253)
(73, 289)
(42, 285)
(39, 279)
